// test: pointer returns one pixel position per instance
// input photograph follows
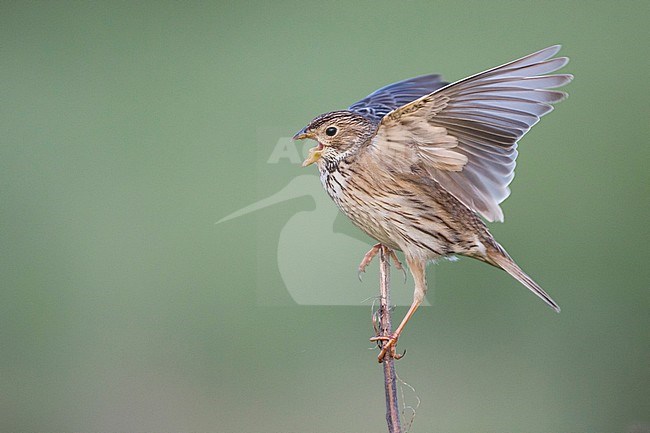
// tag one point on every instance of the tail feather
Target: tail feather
(502, 260)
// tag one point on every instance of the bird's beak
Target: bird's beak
(314, 155)
(302, 134)
(314, 152)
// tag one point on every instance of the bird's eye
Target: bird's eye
(331, 131)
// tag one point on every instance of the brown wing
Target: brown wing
(465, 134)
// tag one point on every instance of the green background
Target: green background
(129, 128)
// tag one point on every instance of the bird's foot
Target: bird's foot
(398, 264)
(367, 259)
(387, 347)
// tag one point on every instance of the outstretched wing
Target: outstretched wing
(465, 134)
(388, 98)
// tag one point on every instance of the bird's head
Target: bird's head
(338, 134)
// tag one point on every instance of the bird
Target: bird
(418, 165)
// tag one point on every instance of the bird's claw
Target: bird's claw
(367, 258)
(398, 264)
(388, 347)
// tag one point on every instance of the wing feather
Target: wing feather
(465, 134)
(388, 98)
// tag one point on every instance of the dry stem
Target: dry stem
(385, 329)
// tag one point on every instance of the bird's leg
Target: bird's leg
(391, 341)
(368, 258)
(418, 270)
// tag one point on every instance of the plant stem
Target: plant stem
(385, 329)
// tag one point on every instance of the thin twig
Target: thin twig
(385, 329)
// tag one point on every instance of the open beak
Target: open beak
(314, 155)
(314, 152)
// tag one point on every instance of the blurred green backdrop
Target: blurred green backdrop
(129, 128)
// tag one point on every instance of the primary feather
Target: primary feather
(466, 133)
